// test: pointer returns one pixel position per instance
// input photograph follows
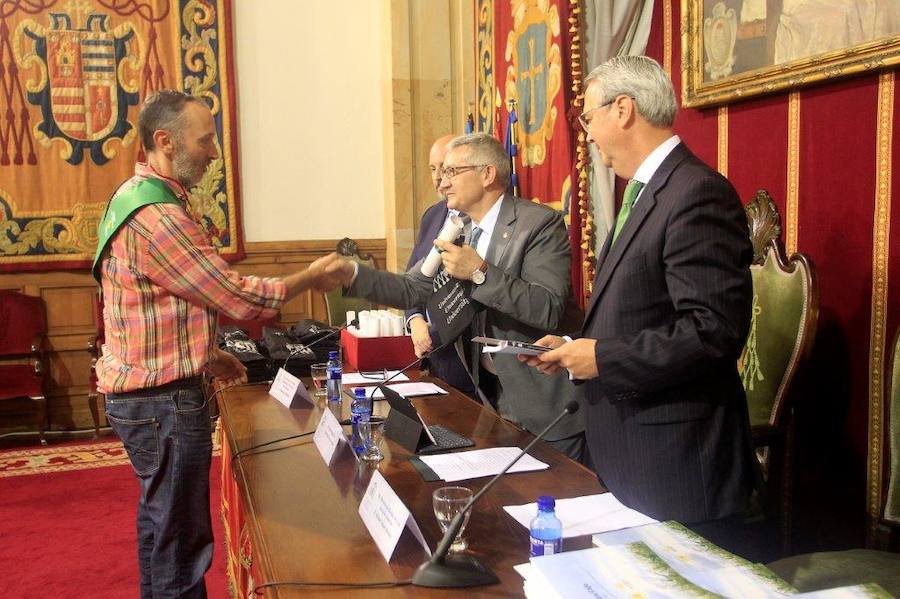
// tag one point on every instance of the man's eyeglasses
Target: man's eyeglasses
(449, 172)
(584, 119)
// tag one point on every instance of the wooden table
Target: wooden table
(300, 515)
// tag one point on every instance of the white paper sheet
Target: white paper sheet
(357, 379)
(408, 390)
(386, 516)
(584, 515)
(463, 465)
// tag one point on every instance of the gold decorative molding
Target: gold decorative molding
(792, 200)
(880, 238)
(723, 140)
(667, 37)
(581, 200)
(709, 56)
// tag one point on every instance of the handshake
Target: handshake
(329, 272)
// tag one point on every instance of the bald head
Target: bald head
(436, 158)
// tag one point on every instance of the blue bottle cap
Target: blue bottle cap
(546, 503)
(332, 355)
(360, 392)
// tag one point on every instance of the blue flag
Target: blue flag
(512, 150)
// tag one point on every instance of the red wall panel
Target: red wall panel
(836, 178)
(757, 148)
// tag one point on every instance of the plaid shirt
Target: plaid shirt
(163, 286)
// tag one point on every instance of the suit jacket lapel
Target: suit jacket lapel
(502, 230)
(611, 256)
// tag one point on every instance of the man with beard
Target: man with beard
(163, 285)
(444, 363)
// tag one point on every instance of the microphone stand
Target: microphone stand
(444, 570)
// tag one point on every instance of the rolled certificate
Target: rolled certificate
(451, 230)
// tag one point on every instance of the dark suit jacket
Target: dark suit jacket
(667, 422)
(444, 363)
(527, 291)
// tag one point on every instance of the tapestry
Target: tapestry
(73, 74)
(528, 82)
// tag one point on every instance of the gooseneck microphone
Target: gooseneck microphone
(464, 570)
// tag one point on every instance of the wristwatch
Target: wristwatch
(478, 273)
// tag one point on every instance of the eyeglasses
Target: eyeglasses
(583, 117)
(449, 172)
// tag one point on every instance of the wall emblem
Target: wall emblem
(534, 75)
(719, 37)
(86, 80)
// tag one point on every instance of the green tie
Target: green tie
(631, 193)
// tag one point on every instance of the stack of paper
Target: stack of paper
(584, 515)
(622, 571)
(699, 561)
(452, 467)
(407, 390)
(372, 378)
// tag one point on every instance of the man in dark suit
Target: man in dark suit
(517, 258)
(667, 424)
(443, 363)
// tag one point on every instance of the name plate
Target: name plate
(385, 516)
(289, 390)
(328, 435)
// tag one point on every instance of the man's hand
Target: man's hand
(329, 272)
(553, 341)
(421, 337)
(460, 262)
(576, 356)
(226, 368)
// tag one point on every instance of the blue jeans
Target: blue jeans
(166, 432)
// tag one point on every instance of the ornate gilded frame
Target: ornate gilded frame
(720, 23)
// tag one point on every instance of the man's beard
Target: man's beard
(188, 172)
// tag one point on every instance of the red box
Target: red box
(373, 353)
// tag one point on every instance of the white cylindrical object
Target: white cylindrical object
(453, 226)
(351, 314)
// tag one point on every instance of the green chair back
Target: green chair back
(783, 318)
(892, 503)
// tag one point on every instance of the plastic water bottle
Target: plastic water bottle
(360, 412)
(546, 529)
(333, 384)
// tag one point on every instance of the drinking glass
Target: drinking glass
(447, 502)
(319, 373)
(372, 432)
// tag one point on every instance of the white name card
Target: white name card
(328, 435)
(385, 515)
(287, 389)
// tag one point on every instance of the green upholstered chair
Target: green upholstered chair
(784, 314)
(335, 301)
(815, 571)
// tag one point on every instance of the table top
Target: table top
(303, 513)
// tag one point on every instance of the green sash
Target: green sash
(122, 206)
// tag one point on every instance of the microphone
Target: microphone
(464, 570)
(352, 323)
(408, 366)
(453, 226)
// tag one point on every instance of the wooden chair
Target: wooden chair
(828, 569)
(23, 329)
(336, 303)
(784, 317)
